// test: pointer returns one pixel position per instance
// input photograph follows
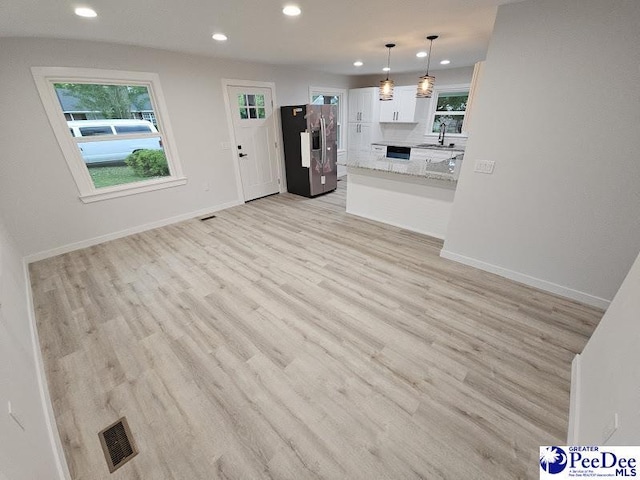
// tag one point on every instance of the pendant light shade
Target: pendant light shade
(386, 89)
(425, 86)
(427, 82)
(386, 86)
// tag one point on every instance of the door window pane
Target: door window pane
(249, 105)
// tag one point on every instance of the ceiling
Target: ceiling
(329, 35)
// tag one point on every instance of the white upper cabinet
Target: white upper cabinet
(404, 108)
(362, 105)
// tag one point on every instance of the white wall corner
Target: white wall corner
(573, 432)
(45, 398)
(542, 284)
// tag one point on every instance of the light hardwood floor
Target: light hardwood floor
(286, 339)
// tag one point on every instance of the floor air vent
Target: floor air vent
(117, 444)
(207, 218)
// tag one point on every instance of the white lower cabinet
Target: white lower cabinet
(360, 138)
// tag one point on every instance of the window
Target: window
(449, 105)
(331, 96)
(251, 106)
(119, 150)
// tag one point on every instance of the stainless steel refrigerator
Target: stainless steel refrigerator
(310, 149)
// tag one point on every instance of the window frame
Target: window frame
(342, 115)
(446, 89)
(46, 77)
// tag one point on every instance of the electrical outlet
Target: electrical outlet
(484, 166)
(610, 428)
(16, 418)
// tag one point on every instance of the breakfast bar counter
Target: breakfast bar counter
(415, 194)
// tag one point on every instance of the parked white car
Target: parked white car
(115, 146)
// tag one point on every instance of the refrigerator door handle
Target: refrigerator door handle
(323, 140)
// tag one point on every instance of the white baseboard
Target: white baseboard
(528, 280)
(411, 228)
(129, 231)
(41, 378)
(574, 403)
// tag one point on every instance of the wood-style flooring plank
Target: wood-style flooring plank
(285, 339)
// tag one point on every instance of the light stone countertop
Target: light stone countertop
(443, 170)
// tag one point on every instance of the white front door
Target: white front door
(255, 134)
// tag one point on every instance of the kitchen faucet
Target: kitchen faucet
(443, 129)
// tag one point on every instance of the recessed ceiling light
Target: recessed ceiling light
(85, 12)
(445, 62)
(220, 37)
(421, 54)
(386, 69)
(357, 63)
(292, 10)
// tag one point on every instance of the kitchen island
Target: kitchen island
(414, 193)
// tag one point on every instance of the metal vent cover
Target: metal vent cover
(117, 444)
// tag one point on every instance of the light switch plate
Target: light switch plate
(484, 166)
(323, 179)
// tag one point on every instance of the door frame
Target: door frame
(228, 82)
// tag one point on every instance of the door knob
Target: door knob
(242, 155)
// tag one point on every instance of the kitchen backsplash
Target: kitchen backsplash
(414, 133)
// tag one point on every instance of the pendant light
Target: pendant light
(426, 82)
(386, 86)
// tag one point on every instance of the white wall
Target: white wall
(415, 204)
(38, 196)
(24, 454)
(609, 372)
(415, 133)
(558, 111)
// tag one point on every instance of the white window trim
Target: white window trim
(45, 77)
(458, 87)
(342, 92)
